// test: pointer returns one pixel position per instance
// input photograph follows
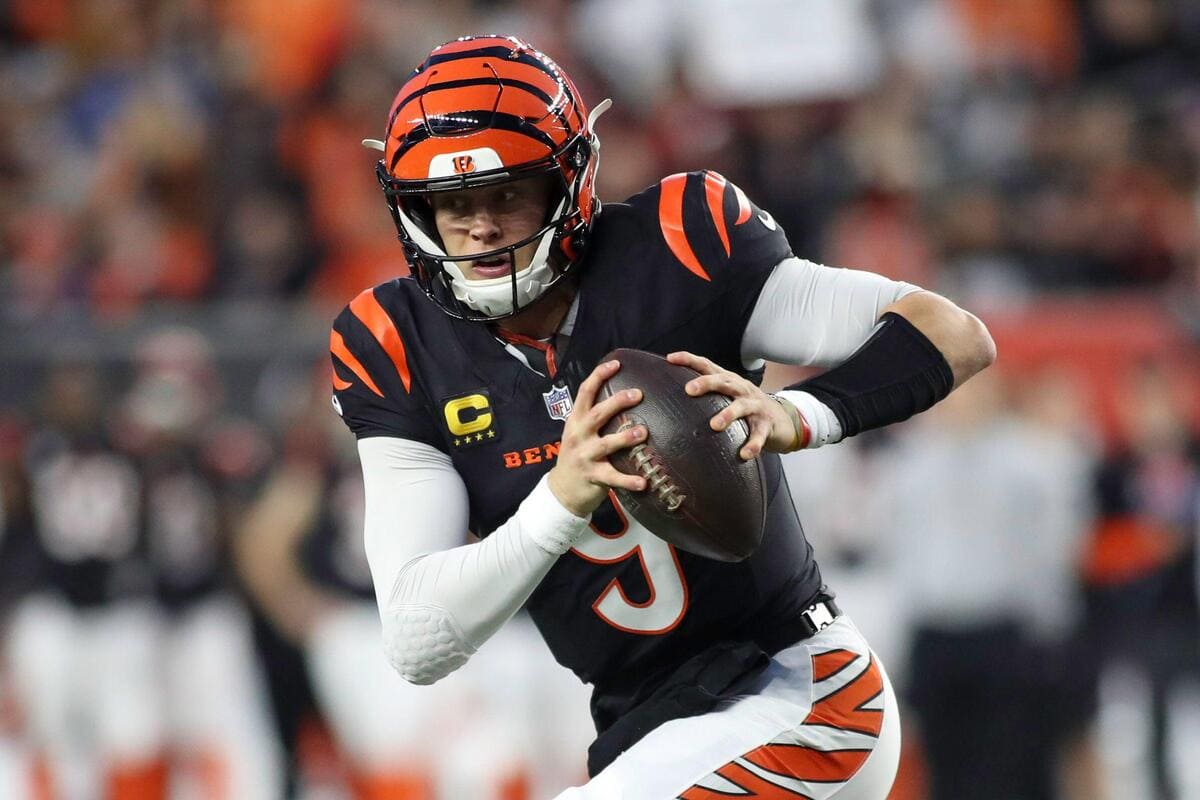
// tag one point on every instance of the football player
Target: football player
(300, 552)
(131, 657)
(472, 389)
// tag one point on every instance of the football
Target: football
(702, 497)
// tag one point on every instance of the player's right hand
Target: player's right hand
(582, 475)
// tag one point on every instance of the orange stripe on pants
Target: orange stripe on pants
(394, 786)
(138, 781)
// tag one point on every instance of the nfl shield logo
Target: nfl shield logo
(558, 402)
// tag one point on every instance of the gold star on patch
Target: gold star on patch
(479, 437)
(491, 434)
(457, 442)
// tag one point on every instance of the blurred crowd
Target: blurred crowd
(192, 150)
(184, 603)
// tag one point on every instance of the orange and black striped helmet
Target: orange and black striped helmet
(478, 111)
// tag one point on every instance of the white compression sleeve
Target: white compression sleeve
(808, 314)
(439, 602)
(812, 315)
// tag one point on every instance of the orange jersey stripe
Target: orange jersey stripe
(714, 190)
(807, 763)
(670, 219)
(381, 326)
(743, 205)
(337, 346)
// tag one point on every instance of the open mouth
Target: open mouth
(493, 267)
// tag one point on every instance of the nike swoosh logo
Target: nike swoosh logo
(768, 220)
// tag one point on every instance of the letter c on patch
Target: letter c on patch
(458, 417)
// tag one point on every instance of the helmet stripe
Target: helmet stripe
(468, 82)
(506, 53)
(437, 87)
(472, 68)
(500, 120)
(509, 56)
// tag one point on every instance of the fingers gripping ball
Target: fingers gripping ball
(700, 496)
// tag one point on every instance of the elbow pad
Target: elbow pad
(423, 644)
(443, 605)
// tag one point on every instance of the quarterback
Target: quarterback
(472, 387)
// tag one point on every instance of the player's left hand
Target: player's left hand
(770, 426)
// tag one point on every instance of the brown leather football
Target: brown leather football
(702, 496)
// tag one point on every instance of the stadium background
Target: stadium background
(184, 205)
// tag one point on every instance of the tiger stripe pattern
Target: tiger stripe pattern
(815, 759)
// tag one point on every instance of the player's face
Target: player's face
(491, 217)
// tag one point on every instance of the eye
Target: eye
(455, 204)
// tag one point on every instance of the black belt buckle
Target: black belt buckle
(820, 615)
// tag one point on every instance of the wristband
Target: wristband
(803, 434)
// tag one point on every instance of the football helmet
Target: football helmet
(479, 111)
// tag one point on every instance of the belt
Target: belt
(819, 614)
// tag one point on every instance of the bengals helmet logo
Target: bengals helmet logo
(463, 164)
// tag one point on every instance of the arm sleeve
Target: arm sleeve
(811, 315)
(439, 602)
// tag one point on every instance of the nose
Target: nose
(483, 226)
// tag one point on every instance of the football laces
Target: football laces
(652, 470)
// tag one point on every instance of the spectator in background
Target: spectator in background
(1142, 610)
(324, 151)
(992, 506)
(166, 123)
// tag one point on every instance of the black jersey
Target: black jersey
(676, 267)
(86, 498)
(184, 526)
